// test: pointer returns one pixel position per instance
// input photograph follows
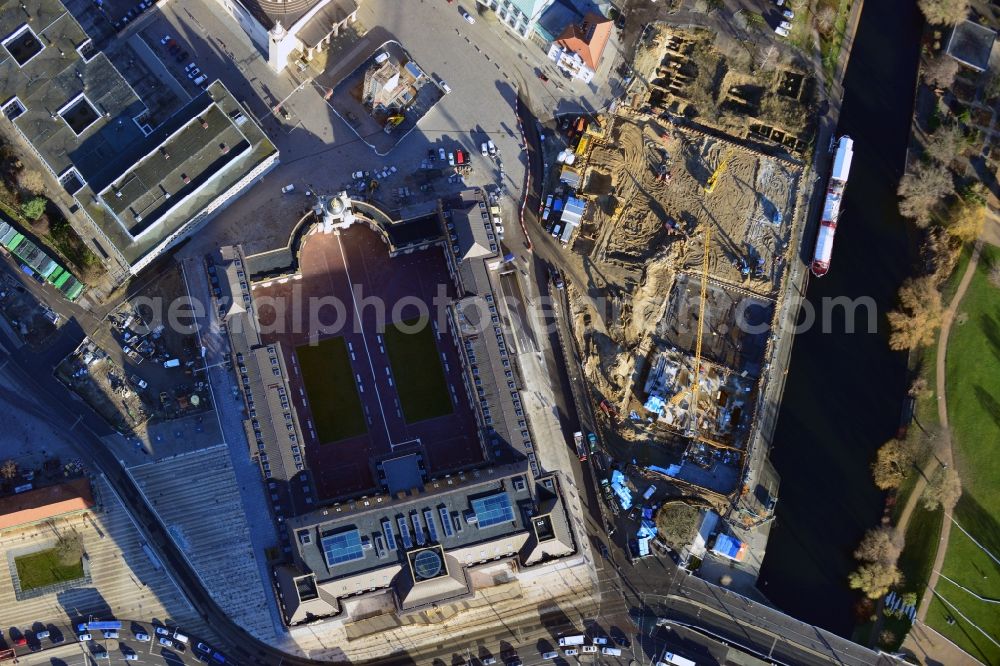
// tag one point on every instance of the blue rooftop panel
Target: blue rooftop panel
(342, 547)
(493, 510)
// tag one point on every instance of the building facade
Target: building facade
(291, 32)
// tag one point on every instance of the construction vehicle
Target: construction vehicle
(719, 170)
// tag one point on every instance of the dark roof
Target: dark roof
(971, 44)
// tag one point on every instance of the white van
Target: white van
(179, 637)
(550, 655)
(613, 651)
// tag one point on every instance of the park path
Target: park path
(922, 640)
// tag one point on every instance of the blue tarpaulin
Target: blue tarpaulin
(730, 547)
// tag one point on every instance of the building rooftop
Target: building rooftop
(317, 26)
(420, 543)
(68, 101)
(34, 506)
(587, 38)
(971, 44)
(474, 253)
(152, 190)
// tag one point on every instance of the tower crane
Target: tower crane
(702, 299)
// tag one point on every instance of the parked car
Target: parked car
(358, 175)
(484, 150)
(131, 656)
(783, 32)
(204, 647)
(285, 190)
(162, 631)
(788, 14)
(166, 642)
(445, 87)
(166, 38)
(451, 159)
(786, 25)
(110, 633)
(492, 147)
(44, 633)
(188, 67)
(441, 154)
(194, 73)
(552, 654)
(141, 636)
(84, 637)
(467, 16)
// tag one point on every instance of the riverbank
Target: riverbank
(845, 390)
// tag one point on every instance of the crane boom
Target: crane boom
(701, 329)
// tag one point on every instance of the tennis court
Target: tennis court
(331, 389)
(416, 366)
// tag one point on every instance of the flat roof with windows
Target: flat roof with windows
(420, 543)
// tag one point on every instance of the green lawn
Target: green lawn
(974, 413)
(333, 394)
(43, 568)
(417, 372)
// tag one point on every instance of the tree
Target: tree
(875, 579)
(33, 208)
(939, 252)
(940, 71)
(69, 547)
(893, 462)
(31, 181)
(919, 388)
(767, 58)
(966, 219)
(825, 20)
(944, 12)
(9, 469)
(677, 523)
(944, 490)
(947, 143)
(880, 544)
(921, 190)
(918, 317)
(995, 274)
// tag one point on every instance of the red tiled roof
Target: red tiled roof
(587, 38)
(48, 502)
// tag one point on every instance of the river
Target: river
(844, 392)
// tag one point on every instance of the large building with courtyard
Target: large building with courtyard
(144, 182)
(380, 390)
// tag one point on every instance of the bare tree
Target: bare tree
(31, 181)
(939, 252)
(69, 547)
(9, 469)
(893, 461)
(944, 12)
(921, 190)
(947, 143)
(919, 388)
(918, 316)
(767, 58)
(677, 523)
(825, 20)
(940, 71)
(880, 544)
(944, 490)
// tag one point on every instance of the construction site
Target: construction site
(685, 247)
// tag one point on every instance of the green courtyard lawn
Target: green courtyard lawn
(43, 568)
(331, 389)
(973, 385)
(417, 371)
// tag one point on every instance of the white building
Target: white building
(520, 16)
(577, 51)
(292, 31)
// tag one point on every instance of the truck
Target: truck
(567, 641)
(592, 440)
(172, 363)
(675, 660)
(580, 450)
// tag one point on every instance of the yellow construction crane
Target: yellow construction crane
(701, 329)
(719, 170)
